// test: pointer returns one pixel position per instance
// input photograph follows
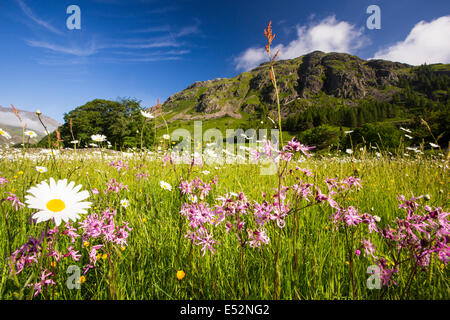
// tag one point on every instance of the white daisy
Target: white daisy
(192, 198)
(4, 134)
(50, 152)
(434, 145)
(30, 133)
(166, 136)
(349, 151)
(147, 115)
(124, 203)
(165, 185)
(58, 200)
(41, 169)
(98, 137)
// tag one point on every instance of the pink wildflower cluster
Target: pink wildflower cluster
(200, 215)
(114, 186)
(119, 165)
(43, 281)
(14, 200)
(294, 146)
(30, 254)
(424, 231)
(197, 187)
(3, 181)
(102, 227)
(142, 175)
(26, 255)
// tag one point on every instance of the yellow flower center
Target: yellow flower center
(56, 205)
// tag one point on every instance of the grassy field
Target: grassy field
(309, 258)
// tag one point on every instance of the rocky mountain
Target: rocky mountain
(304, 81)
(10, 123)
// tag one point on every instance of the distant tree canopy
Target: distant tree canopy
(120, 121)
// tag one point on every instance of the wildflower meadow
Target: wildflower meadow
(111, 225)
(267, 219)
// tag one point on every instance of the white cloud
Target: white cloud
(80, 52)
(428, 42)
(29, 13)
(328, 35)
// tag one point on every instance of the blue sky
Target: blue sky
(147, 49)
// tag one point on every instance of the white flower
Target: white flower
(30, 134)
(165, 185)
(434, 145)
(93, 145)
(74, 142)
(205, 172)
(41, 169)
(378, 154)
(38, 112)
(377, 218)
(147, 115)
(166, 136)
(58, 200)
(98, 137)
(5, 134)
(192, 198)
(427, 197)
(124, 203)
(408, 136)
(349, 151)
(347, 132)
(406, 130)
(50, 152)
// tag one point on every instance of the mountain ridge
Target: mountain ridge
(337, 75)
(10, 122)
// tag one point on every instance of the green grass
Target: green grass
(147, 268)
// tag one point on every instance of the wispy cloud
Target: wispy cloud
(165, 43)
(76, 51)
(163, 28)
(149, 44)
(426, 43)
(30, 14)
(328, 35)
